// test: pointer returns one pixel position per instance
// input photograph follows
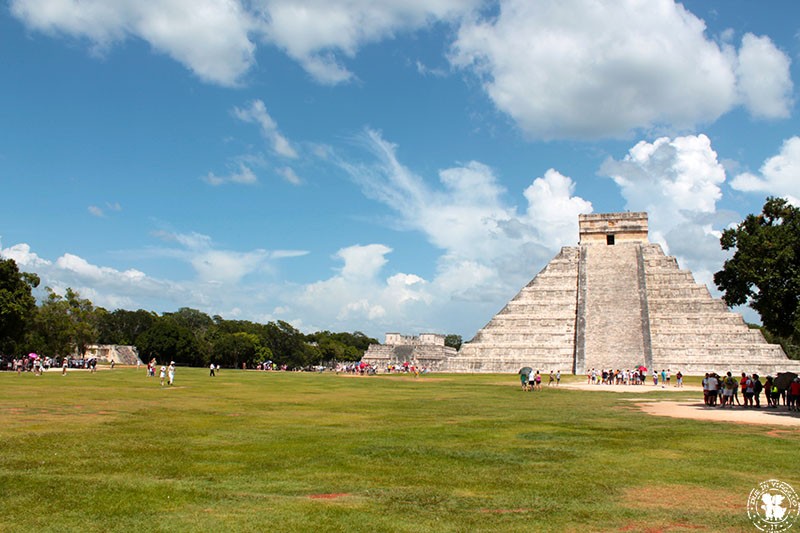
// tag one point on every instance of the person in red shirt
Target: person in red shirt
(794, 395)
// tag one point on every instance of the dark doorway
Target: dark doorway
(610, 240)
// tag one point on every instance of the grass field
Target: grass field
(249, 451)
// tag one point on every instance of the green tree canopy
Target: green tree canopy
(765, 269)
(453, 340)
(17, 304)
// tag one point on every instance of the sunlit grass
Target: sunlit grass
(248, 451)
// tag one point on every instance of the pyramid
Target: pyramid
(617, 301)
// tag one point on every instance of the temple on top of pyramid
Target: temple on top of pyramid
(616, 301)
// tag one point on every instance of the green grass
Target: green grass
(248, 451)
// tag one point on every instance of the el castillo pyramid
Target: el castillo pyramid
(616, 301)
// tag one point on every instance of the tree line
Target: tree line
(66, 324)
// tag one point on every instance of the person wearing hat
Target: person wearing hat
(163, 374)
(171, 372)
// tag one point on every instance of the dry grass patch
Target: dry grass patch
(685, 498)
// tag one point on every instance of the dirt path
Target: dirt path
(632, 388)
(698, 411)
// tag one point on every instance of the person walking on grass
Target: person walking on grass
(552, 379)
(171, 371)
(163, 374)
(558, 378)
(211, 368)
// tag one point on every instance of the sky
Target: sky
(378, 166)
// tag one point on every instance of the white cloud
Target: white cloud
(257, 113)
(588, 69)
(288, 174)
(779, 174)
(100, 212)
(764, 80)
(216, 39)
(488, 248)
(210, 37)
(317, 33)
(677, 181)
(244, 175)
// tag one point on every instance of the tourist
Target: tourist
(163, 374)
(171, 372)
(655, 378)
(558, 378)
(713, 389)
(523, 380)
(552, 379)
(64, 364)
(211, 368)
(728, 386)
(794, 395)
(663, 377)
(705, 389)
(746, 385)
(768, 386)
(757, 388)
(537, 381)
(668, 376)
(679, 378)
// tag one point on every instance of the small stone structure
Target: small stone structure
(120, 354)
(426, 350)
(617, 301)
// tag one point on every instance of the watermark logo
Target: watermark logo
(773, 506)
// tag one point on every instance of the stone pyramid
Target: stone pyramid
(616, 301)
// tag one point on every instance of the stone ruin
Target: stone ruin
(426, 350)
(120, 354)
(614, 301)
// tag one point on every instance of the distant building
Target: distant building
(425, 350)
(120, 354)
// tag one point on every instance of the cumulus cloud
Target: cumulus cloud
(677, 181)
(256, 113)
(778, 175)
(216, 39)
(587, 69)
(765, 84)
(319, 33)
(210, 37)
(489, 247)
(105, 286)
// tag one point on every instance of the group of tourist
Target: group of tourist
(166, 373)
(632, 377)
(531, 380)
(723, 391)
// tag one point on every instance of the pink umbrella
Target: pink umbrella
(33, 355)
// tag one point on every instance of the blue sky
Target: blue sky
(381, 166)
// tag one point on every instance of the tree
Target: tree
(453, 341)
(122, 326)
(17, 304)
(765, 269)
(167, 341)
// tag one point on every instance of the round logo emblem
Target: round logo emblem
(773, 506)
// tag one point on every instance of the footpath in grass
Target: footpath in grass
(251, 451)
